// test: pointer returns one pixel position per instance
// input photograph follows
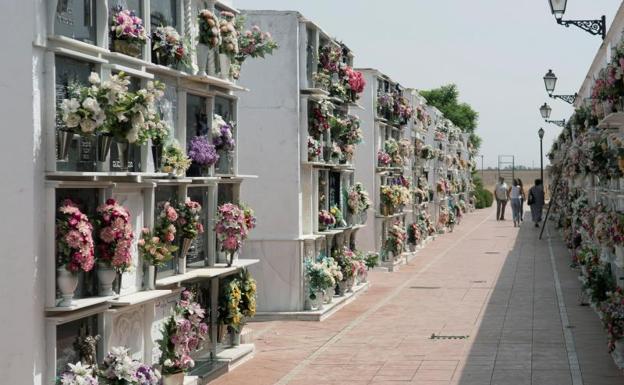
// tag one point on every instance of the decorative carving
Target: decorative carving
(128, 331)
(86, 348)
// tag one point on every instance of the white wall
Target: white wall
(21, 156)
(269, 124)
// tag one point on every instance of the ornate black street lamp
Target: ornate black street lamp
(595, 27)
(545, 110)
(550, 81)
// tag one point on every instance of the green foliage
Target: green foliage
(446, 99)
(483, 198)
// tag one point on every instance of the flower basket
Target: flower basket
(130, 48)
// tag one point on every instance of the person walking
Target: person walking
(536, 201)
(516, 197)
(501, 192)
(522, 199)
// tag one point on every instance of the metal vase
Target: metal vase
(123, 151)
(103, 146)
(64, 139)
(157, 150)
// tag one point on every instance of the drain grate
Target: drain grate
(492, 252)
(425, 287)
(478, 281)
(441, 337)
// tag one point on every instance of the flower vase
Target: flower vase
(66, 282)
(221, 329)
(173, 379)
(202, 58)
(211, 66)
(231, 257)
(607, 107)
(350, 284)
(224, 66)
(104, 141)
(126, 47)
(605, 255)
(318, 301)
(106, 277)
(235, 337)
(363, 277)
(64, 139)
(342, 287)
(149, 277)
(123, 151)
(619, 256)
(329, 294)
(618, 352)
(157, 150)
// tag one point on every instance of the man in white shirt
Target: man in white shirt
(501, 193)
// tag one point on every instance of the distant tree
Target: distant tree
(446, 99)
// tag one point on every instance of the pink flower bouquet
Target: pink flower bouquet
(182, 334)
(233, 226)
(188, 221)
(115, 236)
(326, 219)
(74, 238)
(126, 25)
(154, 250)
(166, 221)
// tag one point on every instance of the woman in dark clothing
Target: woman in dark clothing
(536, 201)
(522, 199)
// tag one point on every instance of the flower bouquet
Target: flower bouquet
(391, 147)
(395, 240)
(188, 226)
(414, 234)
(383, 159)
(114, 249)
(128, 33)
(182, 335)
(337, 213)
(385, 104)
(326, 220)
(314, 149)
(346, 260)
(355, 82)
(155, 252)
(209, 32)
(77, 374)
(120, 369)
(174, 161)
(320, 117)
(202, 153)
(74, 248)
(170, 49)
(232, 227)
(237, 303)
(229, 27)
(329, 59)
(405, 148)
(254, 43)
(358, 200)
(320, 279)
(613, 320)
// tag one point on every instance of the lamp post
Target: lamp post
(545, 111)
(595, 27)
(481, 167)
(550, 81)
(540, 133)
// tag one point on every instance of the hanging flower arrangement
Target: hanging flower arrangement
(74, 238)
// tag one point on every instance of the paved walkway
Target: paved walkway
(488, 281)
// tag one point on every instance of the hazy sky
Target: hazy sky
(495, 51)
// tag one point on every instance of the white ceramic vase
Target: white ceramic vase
(224, 65)
(106, 277)
(202, 58)
(67, 283)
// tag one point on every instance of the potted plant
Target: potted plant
(74, 248)
(182, 334)
(203, 154)
(209, 40)
(114, 248)
(156, 252)
(127, 31)
(188, 227)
